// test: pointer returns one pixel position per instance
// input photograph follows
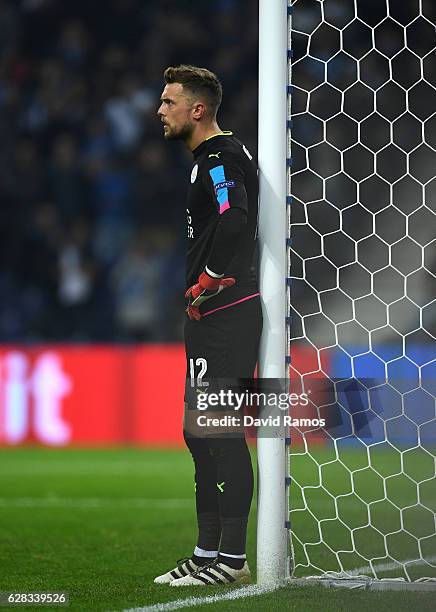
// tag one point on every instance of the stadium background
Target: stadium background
(92, 211)
(92, 198)
(92, 233)
(92, 208)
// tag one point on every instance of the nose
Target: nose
(159, 111)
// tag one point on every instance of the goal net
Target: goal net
(362, 202)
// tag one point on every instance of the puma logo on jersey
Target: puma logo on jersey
(217, 155)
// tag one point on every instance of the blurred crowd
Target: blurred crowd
(92, 199)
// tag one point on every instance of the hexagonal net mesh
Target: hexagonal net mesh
(362, 195)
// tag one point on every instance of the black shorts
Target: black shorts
(221, 348)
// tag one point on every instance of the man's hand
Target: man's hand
(206, 288)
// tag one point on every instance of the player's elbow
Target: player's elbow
(234, 221)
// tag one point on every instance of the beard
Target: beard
(182, 133)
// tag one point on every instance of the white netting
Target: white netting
(363, 289)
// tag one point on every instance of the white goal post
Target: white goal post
(272, 545)
(347, 233)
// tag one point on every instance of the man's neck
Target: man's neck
(200, 134)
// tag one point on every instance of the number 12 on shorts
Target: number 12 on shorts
(201, 364)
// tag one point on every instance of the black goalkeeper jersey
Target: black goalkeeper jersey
(223, 177)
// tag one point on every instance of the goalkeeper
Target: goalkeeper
(223, 318)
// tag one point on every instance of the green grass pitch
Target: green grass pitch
(101, 524)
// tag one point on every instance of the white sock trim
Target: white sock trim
(200, 552)
(233, 556)
(213, 274)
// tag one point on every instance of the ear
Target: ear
(198, 111)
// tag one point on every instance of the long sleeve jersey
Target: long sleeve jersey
(222, 215)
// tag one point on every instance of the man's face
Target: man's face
(175, 112)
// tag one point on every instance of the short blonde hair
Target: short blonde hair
(198, 81)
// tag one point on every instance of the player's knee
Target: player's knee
(223, 448)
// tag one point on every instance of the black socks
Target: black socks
(209, 530)
(224, 489)
(233, 562)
